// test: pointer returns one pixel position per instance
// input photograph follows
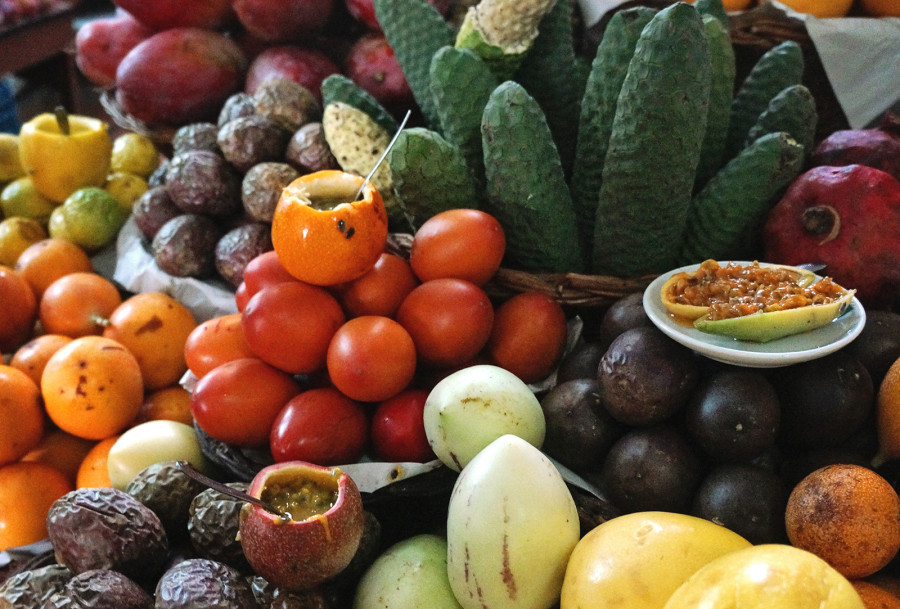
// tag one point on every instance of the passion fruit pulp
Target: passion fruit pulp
(754, 302)
(317, 531)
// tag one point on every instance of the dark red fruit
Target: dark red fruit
(371, 64)
(846, 217)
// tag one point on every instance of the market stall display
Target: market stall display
(477, 340)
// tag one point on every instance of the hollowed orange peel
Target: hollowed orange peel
(323, 234)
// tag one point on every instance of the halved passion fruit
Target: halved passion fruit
(754, 302)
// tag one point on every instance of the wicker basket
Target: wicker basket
(158, 134)
(569, 289)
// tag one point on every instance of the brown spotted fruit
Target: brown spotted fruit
(846, 217)
(318, 530)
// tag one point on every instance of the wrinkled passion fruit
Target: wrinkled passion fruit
(200, 583)
(32, 587)
(105, 528)
(754, 302)
(317, 535)
(100, 589)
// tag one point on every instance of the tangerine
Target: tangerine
(19, 309)
(154, 327)
(874, 596)
(881, 8)
(44, 262)
(848, 515)
(323, 234)
(31, 357)
(61, 450)
(887, 415)
(820, 8)
(78, 304)
(94, 471)
(22, 413)
(27, 490)
(92, 387)
(169, 403)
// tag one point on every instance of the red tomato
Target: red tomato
(20, 309)
(214, 342)
(238, 401)
(529, 336)
(321, 426)
(463, 243)
(371, 358)
(449, 320)
(398, 429)
(289, 325)
(381, 290)
(241, 296)
(264, 270)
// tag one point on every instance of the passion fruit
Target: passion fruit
(318, 531)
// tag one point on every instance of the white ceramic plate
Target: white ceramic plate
(781, 352)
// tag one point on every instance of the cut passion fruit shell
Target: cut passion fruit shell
(755, 302)
(674, 286)
(764, 327)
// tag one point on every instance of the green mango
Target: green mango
(765, 327)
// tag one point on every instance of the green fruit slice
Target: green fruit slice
(765, 327)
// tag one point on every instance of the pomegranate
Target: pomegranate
(878, 147)
(846, 217)
(319, 532)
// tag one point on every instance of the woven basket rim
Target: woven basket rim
(567, 288)
(158, 134)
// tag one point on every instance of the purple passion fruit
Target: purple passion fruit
(754, 302)
(317, 535)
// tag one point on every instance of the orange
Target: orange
(22, 414)
(19, 310)
(820, 8)
(154, 327)
(887, 414)
(49, 259)
(848, 515)
(874, 596)
(61, 450)
(92, 387)
(31, 357)
(93, 471)
(169, 403)
(881, 8)
(78, 304)
(27, 490)
(322, 235)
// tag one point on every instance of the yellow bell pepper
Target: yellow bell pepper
(62, 153)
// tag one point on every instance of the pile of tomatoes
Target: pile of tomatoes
(326, 374)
